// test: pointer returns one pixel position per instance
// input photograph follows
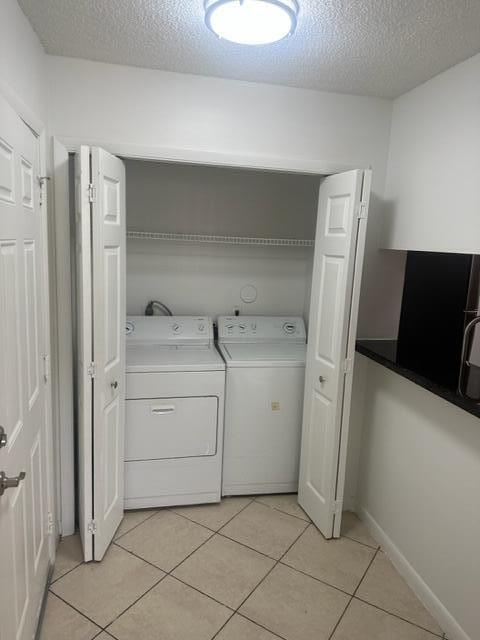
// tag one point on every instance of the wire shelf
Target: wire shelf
(190, 237)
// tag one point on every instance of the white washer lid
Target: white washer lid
(287, 354)
(152, 358)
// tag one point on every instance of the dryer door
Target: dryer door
(163, 428)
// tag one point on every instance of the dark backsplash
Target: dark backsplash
(432, 317)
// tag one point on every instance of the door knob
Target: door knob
(3, 438)
(322, 379)
(114, 384)
(10, 483)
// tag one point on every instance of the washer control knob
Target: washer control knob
(175, 327)
(201, 327)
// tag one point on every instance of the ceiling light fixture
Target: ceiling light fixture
(251, 22)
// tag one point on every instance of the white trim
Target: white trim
(200, 156)
(421, 589)
(62, 353)
(49, 400)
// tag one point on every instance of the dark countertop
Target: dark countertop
(385, 353)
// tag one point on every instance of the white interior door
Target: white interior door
(109, 312)
(24, 509)
(100, 180)
(338, 259)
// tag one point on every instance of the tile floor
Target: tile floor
(245, 569)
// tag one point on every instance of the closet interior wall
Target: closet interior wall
(207, 278)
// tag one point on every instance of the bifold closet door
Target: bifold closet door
(337, 268)
(101, 233)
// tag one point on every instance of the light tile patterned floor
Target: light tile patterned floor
(245, 569)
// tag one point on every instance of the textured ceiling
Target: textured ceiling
(367, 47)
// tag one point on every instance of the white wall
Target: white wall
(146, 110)
(22, 63)
(420, 483)
(181, 198)
(420, 468)
(208, 278)
(433, 170)
(201, 279)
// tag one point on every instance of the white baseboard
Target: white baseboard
(441, 614)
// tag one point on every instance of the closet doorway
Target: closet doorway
(332, 306)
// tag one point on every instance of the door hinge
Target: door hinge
(362, 211)
(91, 370)
(92, 526)
(347, 365)
(337, 507)
(92, 193)
(46, 367)
(41, 181)
(49, 522)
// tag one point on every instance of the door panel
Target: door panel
(108, 260)
(336, 276)
(101, 237)
(114, 323)
(24, 548)
(84, 347)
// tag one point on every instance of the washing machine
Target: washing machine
(265, 359)
(174, 412)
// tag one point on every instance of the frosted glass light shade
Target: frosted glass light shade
(251, 22)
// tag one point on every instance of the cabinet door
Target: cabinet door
(339, 246)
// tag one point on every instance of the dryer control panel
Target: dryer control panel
(261, 329)
(169, 330)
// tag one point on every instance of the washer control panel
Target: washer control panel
(169, 329)
(261, 329)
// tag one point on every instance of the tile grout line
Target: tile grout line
(132, 603)
(395, 615)
(365, 573)
(364, 544)
(170, 573)
(308, 575)
(236, 611)
(113, 542)
(67, 572)
(353, 595)
(132, 553)
(379, 550)
(77, 610)
(181, 515)
(156, 511)
(277, 562)
(281, 510)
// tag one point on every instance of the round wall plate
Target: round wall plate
(248, 293)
